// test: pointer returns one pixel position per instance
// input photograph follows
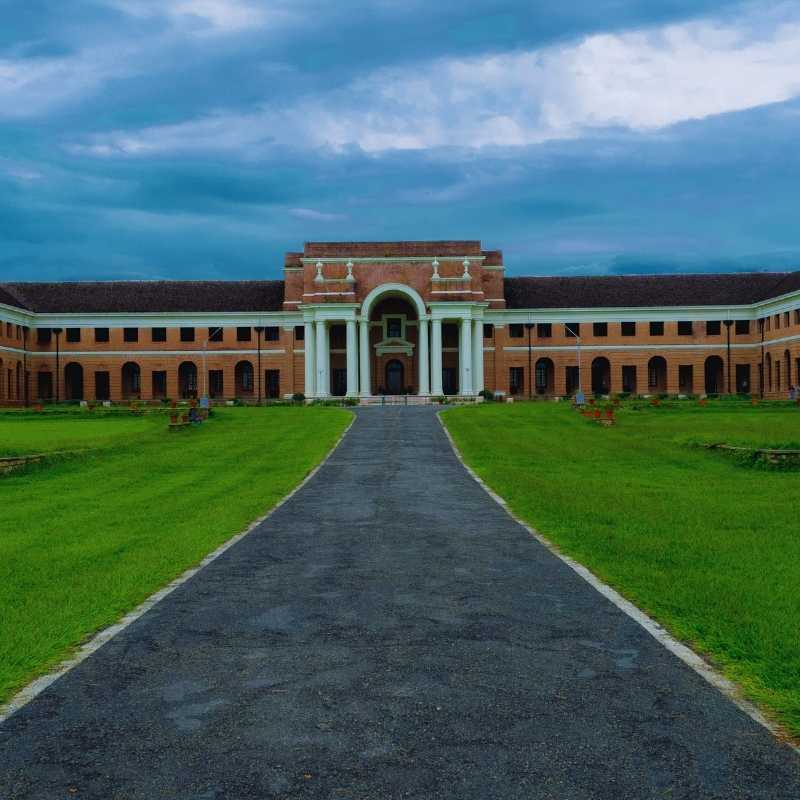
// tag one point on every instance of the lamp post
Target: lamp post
(259, 330)
(529, 328)
(728, 323)
(578, 347)
(57, 332)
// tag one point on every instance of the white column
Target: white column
(323, 360)
(424, 361)
(363, 351)
(310, 359)
(352, 359)
(436, 357)
(465, 357)
(477, 356)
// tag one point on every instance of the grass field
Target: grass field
(706, 545)
(85, 538)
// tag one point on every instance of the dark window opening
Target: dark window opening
(102, 385)
(272, 383)
(628, 328)
(216, 383)
(573, 380)
(685, 328)
(130, 334)
(299, 333)
(600, 329)
(516, 380)
(713, 327)
(215, 334)
(742, 327)
(158, 334)
(572, 329)
(43, 335)
(544, 330)
(187, 335)
(629, 379)
(656, 328)
(685, 379)
(272, 333)
(516, 330)
(73, 334)
(244, 334)
(159, 384)
(488, 330)
(101, 335)
(394, 328)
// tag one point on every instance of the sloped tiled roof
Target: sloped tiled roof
(99, 297)
(638, 291)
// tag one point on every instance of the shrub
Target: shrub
(486, 394)
(299, 397)
(350, 401)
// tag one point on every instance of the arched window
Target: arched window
(714, 375)
(73, 381)
(131, 381)
(544, 376)
(601, 375)
(657, 374)
(187, 380)
(243, 376)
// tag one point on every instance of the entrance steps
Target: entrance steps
(396, 400)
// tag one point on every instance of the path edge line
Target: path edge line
(38, 685)
(685, 653)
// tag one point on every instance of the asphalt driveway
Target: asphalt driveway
(389, 632)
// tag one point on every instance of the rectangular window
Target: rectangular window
(73, 335)
(786, 322)
(43, 335)
(299, 333)
(394, 328)
(768, 321)
(684, 328)
(187, 335)
(9, 330)
(158, 334)
(685, 378)
(777, 321)
(101, 335)
(628, 328)
(572, 329)
(272, 333)
(159, 383)
(272, 383)
(215, 334)
(216, 383)
(516, 380)
(44, 385)
(656, 328)
(713, 327)
(130, 334)
(600, 329)
(244, 334)
(488, 330)
(544, 330)
(797, 317)
(742, 327)
(516, 331)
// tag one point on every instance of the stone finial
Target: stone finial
(319, 277)
(466, 276)
(435, 276)
(349, 278)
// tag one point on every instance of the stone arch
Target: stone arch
(131, 380)
(187, 380)
(545, 376)
(244, 378)
(657, 374)
(601, 375)
(392, 289)
(714, 375)
(73, 381)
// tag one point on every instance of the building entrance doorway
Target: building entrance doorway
(338, 382)
(394, 377)
(449, 382)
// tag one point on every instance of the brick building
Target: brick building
(428, 318)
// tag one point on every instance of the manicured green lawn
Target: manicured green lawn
(709, 547)
(85, 539)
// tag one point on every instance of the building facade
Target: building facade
(362, 319)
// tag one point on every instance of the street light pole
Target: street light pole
(578, 347)
(211, 332)
(57, 332)
(259, 331)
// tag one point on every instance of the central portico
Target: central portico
(393, 318)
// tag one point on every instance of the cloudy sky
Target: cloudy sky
(203, 138)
